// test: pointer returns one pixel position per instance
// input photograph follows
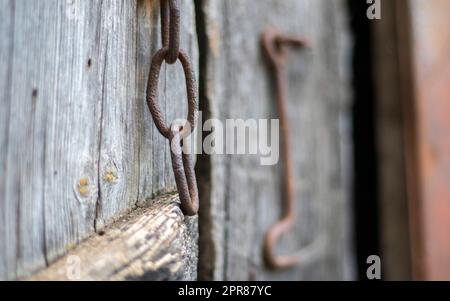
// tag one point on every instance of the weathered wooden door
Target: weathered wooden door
(84, 171)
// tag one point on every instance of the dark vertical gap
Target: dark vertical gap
(207, 253)
(366, 211)
(414, 227)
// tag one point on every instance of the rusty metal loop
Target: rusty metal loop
(183, 170)
(170, 29)
(274, 45)
(191, 88)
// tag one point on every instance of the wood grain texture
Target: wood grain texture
(152, 243)
(242, 198)
(425, 87)
(78, 146)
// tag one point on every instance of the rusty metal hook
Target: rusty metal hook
(275, 46)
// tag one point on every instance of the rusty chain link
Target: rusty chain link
(170, 29)
(275, 46)
(152, 93)
(183, 169)
(170, 53)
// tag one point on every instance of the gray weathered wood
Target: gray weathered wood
(152, 243)
(78, 148)
(242, 199)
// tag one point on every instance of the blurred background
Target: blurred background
(401, 137)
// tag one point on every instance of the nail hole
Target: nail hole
(34, 94)
(89, 63)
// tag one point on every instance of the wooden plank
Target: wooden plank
(152, 243)
(5, 94)
(429, 136)
(413, 76)
(392, 176)
(78, 148)
(242, 198)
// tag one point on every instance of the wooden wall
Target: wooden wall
(389, 48)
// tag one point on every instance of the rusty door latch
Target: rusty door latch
(170, 53)
(276, 46)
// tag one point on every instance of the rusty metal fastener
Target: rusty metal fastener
(275, 46)
(170, 29)
(182, 164)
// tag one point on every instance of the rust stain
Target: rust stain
(83, 187)
(110, 176)
(214, 39)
